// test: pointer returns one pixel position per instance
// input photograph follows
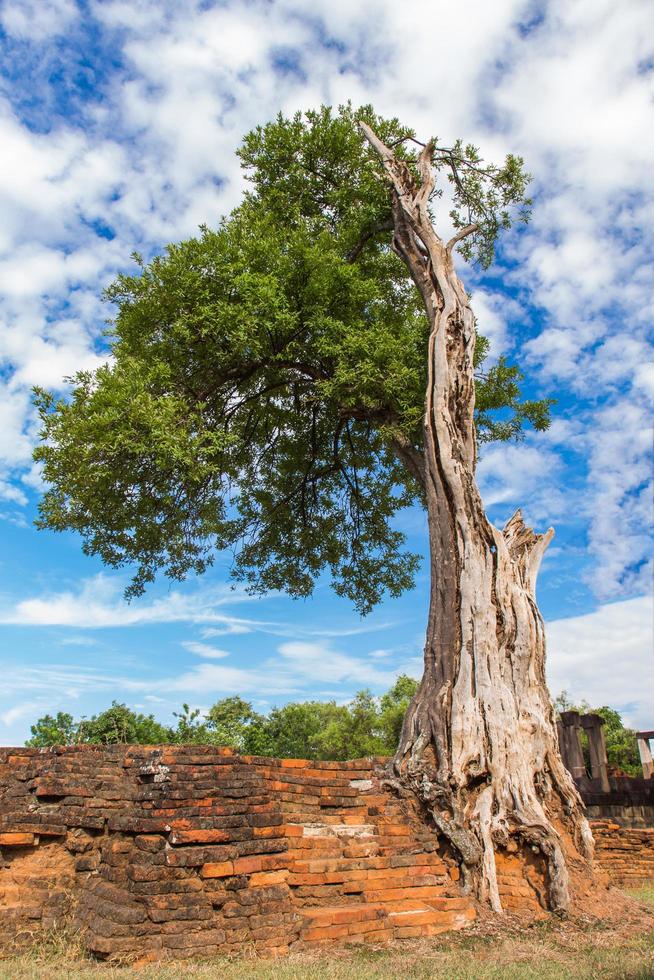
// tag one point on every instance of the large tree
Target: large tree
(282, 386)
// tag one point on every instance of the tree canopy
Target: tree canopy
(266, 386)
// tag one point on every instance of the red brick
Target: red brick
(219, 869)
(16, 839)
(267, 878)
(199, 836)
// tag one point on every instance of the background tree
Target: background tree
(60, 730)
(233, 722)
(282, 387)
(119, 724)
(364, 726)
(393, 707)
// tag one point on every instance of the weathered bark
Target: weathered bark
(479, 743)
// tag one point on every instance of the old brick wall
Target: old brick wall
(625, 853)
(183, 850)
(186, 850)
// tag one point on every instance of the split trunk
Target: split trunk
(479, 744)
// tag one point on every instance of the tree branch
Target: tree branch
(384, 152)
(426, 177)
(460, 235)
(306, 369)
(411, 457)
(355, 252)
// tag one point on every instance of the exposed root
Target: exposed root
(475, 823)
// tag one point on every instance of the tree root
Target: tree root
(475, 828)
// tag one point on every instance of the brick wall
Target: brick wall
(182, 850)
(625, 853)
(186, 850)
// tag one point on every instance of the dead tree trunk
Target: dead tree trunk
(479, 743)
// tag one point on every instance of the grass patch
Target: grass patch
(644, 893)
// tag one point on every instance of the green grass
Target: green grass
(549, 950)
(644, 894)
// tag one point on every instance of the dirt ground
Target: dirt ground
(618, 945)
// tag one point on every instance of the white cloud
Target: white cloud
(491, 310)
(9, 491)
(204, 650)
(21, 710)
(78, 641)
(524, 475)
(97, 603)
(606, 658)
(58, 681)
(37, 19)
(228, 629)
(320, 663)
(621, 505)
(297, 668)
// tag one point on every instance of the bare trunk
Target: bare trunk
(479, 743)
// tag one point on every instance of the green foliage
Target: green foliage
(365, 726)
(60, 730)
(233, 722)
(499, 411)
(191, 727)
(262, 373)
(119, 724)
(298, 730)
(621, 745)
(484, 194)
(393, 707)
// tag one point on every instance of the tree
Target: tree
(282, 387)
(393, 707)
(234, 723)
(309, 729)
(299, 730)
(621, 743)
(60, 730)
(119, 724)
(192, 728)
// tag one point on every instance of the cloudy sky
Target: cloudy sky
(118, 125)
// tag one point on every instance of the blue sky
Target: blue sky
(118, 125)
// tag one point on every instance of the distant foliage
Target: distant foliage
(365, 726)
(621, 747)
(117, 724)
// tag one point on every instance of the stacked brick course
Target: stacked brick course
(192, 850)
(625, 853)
